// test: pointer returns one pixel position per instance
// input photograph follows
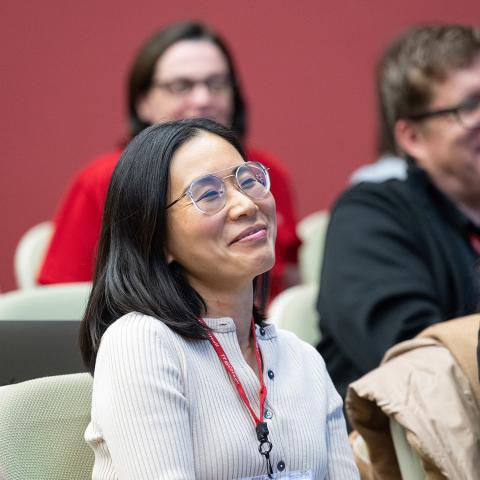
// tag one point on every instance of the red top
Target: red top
(70, 256)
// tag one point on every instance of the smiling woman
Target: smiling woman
(189, 380)
(238, 238)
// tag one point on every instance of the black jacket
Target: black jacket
(397, 259)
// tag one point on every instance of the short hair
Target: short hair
(411, 65)
(132, 271)
(143, 68)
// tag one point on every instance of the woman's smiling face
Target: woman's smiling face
(229, 248)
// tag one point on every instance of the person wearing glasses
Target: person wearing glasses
(182, 71)
(189, 380)
(402, 254)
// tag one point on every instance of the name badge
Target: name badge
(297, 475)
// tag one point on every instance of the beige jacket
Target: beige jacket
(430, 386)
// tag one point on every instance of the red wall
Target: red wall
(307, 67)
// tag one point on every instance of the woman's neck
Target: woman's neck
(238, 306)
(234, 304)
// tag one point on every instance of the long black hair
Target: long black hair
(143, 68)
(132, 271)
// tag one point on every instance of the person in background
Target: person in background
(402, 254)
(189, 381)
(183, 71)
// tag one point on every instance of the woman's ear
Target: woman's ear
(169, 257)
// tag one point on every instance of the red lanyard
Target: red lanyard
(261, 429)
(231, 372)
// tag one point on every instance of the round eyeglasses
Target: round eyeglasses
(208, 193)
(467, 113)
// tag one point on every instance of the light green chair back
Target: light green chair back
(408, 460)
(65, 301)
(294, 310)
(42, 423)
(312, 231)
(30, 252)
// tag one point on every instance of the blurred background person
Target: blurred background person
(183, 71)
(402, 254)
(189, 382)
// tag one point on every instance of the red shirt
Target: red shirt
(70, 256)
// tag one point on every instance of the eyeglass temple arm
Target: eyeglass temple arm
(177, 200)
(444, 111)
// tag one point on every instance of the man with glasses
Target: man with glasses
(401, 254)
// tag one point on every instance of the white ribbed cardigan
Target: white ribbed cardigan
(163, 406)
